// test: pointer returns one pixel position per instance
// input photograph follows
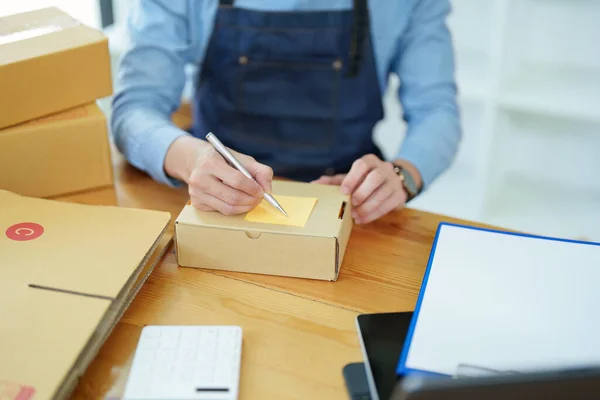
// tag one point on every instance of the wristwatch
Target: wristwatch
(408, 182)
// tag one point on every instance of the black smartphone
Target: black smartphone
(356, 381)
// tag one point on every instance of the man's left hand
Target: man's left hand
(374, 186)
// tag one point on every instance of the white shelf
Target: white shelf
(467, 17)
(547, 148)
(457, 193)
(529, 91)
(547, 209)
(471, 50)
(468, 156)
(565, 92)
(472, 68)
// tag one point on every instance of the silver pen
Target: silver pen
(222, 150)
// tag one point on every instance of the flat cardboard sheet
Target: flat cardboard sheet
(67, 274)
(111, 318)
(297, 208)
(42, 334)
(84, 249)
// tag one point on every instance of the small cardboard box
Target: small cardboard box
(58, 154)
(69, 271)
(316, 251)
(49, 62)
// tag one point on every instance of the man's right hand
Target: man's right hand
(213, 184)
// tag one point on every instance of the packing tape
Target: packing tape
(15, 391)
(37, 28)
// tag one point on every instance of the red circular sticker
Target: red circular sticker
(24, 231)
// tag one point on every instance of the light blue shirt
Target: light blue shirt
(410, 39)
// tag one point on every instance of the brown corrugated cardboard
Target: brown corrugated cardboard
(69, 271)
(58, 154)
(83, 249)
(49, 62)
(111, 318)
(42, 334)
(215, 241)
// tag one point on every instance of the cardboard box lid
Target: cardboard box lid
(84, 249)
(40, 32)
(325, 220)
(79, 114)
(43, 333)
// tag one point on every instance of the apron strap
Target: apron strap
(360, 29)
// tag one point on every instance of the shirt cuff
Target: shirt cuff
(156, 151)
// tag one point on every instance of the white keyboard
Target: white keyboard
(186, 362)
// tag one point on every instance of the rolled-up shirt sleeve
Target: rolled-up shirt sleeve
(150, 83)
(424, 63)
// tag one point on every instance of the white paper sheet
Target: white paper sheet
(507, 302)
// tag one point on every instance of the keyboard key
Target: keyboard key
(169, 339)
(151, 343)
(145, 356)
(151, 332)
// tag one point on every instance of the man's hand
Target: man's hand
(214, 185)
(374, 186)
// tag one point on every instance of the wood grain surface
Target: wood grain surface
(298, 334)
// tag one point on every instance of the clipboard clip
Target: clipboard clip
(465, 370)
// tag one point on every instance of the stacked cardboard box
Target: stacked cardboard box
(53, 137)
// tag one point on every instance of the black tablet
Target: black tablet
(382, 338)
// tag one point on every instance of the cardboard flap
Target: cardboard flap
(76, 115)
(43, 333)
(45, 31)
(79, 114)
(84, 249)
(325, 220)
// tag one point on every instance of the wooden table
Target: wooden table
(298, 334)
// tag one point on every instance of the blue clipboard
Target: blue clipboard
(402, 369)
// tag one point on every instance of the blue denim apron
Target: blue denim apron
(296, 90)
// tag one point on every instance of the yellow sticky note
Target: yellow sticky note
(297, 208)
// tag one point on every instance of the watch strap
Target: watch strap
(408, 182)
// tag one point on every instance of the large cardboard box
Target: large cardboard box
(49, 62)
(62, 153)
(211, 240)
(68, 273)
